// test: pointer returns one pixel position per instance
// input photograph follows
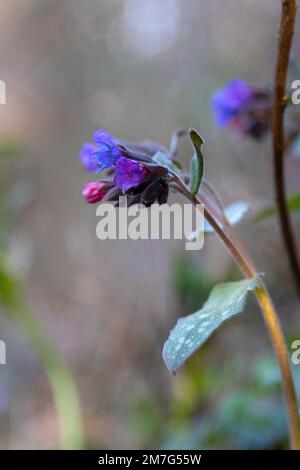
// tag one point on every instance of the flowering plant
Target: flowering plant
(145, 171)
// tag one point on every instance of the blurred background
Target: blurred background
(84, 321)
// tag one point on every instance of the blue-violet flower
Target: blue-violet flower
(243, 107)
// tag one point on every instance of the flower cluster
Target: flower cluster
(243, 107)
(131, 170)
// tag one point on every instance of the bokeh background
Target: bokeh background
(73, 308)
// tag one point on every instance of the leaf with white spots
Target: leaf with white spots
(224, 301)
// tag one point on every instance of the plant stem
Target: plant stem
(288, 15)
(240, 256)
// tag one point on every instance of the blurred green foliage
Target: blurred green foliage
(206, 413)
(13, 305)
(250, 416)
(293, 203)
(235, 406)
(8, 147)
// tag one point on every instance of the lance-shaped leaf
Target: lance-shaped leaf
(224, 301)
(197, 162)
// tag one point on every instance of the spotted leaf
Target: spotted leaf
(224, 301)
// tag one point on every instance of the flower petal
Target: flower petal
(232, 99)
(130, 174)
(103, 137)
(98, 157)
(89, 157)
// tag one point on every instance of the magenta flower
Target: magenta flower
(95, 191)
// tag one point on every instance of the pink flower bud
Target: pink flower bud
(95, 191)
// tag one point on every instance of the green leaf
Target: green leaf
(197, 163)
(293, 205)
(163, 160)
(234, 214)
(224, 301)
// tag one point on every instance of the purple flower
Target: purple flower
(130, 174)
(244, 108)
(132, 170)
(101, 155)
(231, 100)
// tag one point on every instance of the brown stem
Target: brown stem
(240, 256)
(286, 31)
